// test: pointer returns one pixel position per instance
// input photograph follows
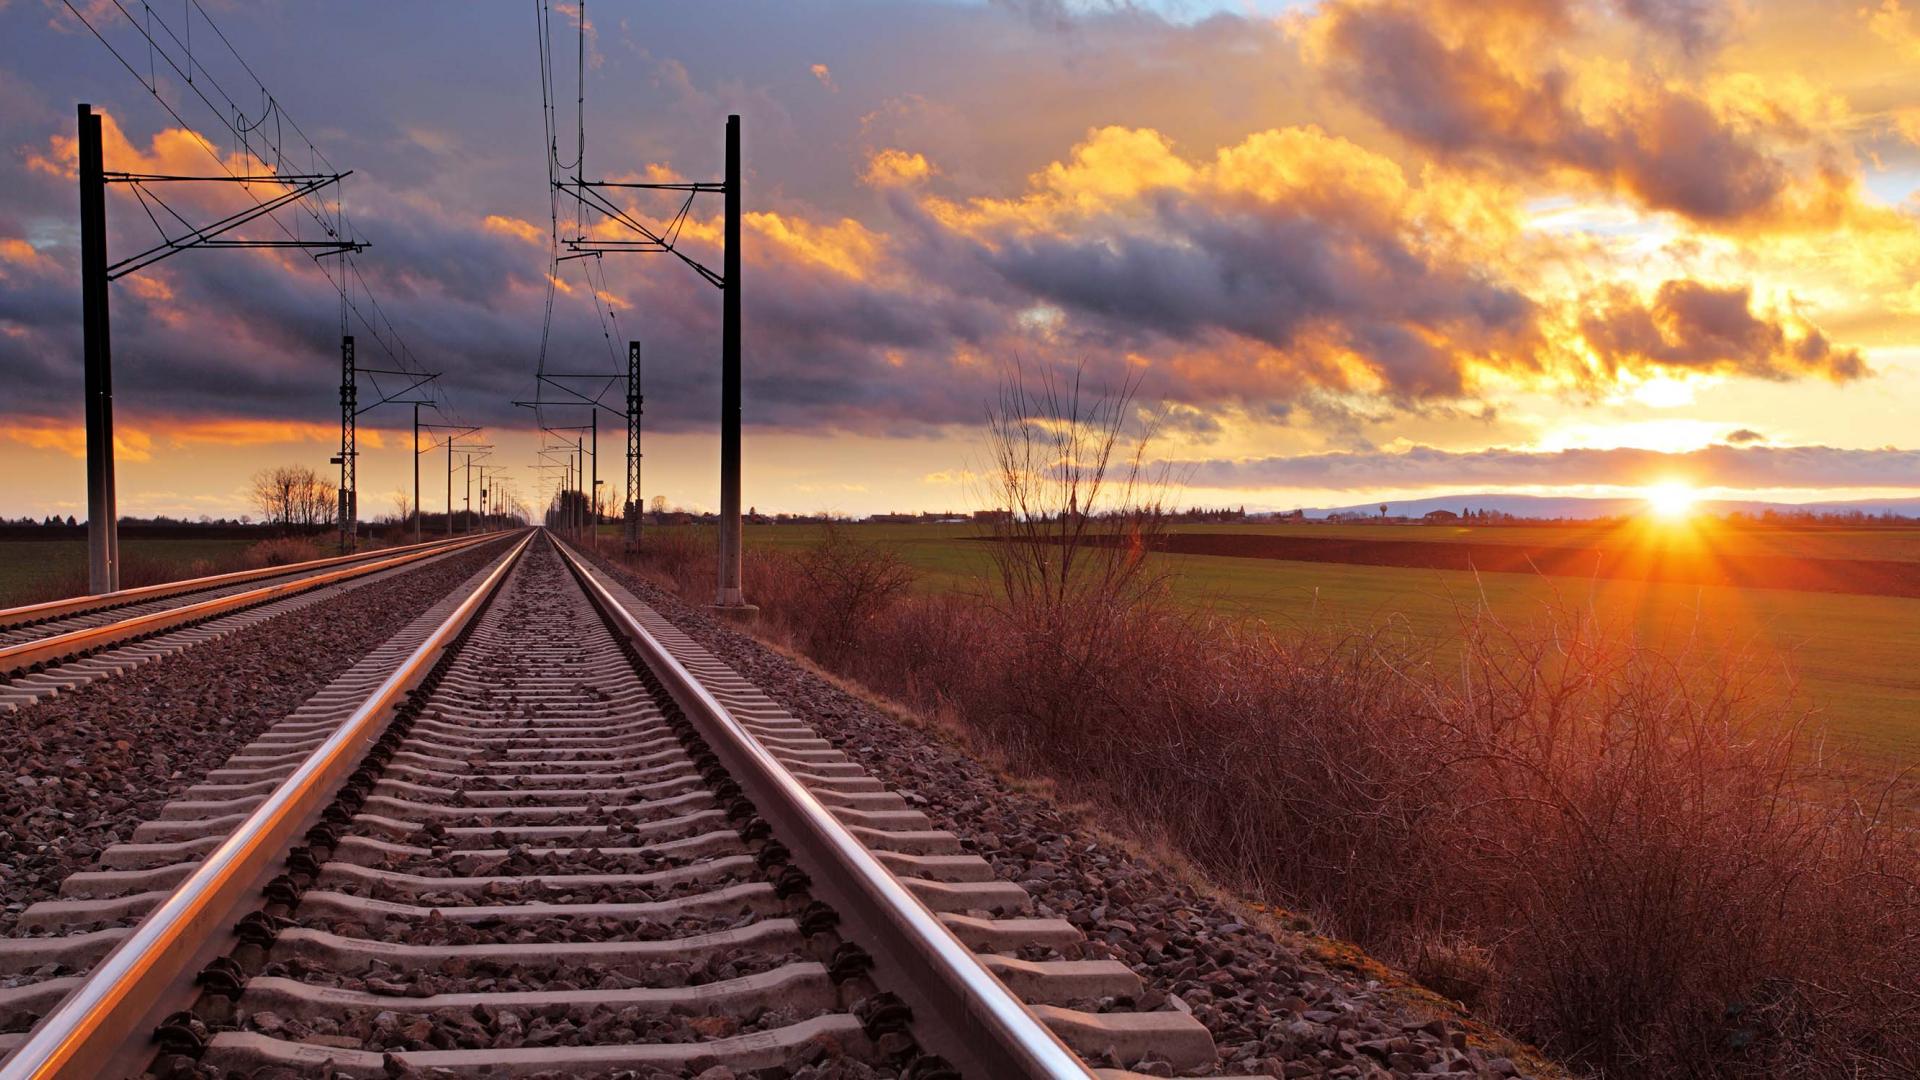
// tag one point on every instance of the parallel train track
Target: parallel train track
(52, 647)
(541, 832)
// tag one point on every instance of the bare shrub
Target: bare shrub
(928, 650)
(849, 584)
(281, 551)
(680, 555)
(1070, 557)
(1455, 968)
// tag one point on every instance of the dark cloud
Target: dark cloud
(1515, 110)
(1205, 269)
(1422, 466)
(1702, 327)
(1697, 26)
(1742, 436)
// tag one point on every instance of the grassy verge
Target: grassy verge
(35, 571)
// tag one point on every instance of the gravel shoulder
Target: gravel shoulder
(1279, 1002)
(80, 770)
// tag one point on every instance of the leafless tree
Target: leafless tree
(294, 496)
(1082, 508)
(316, 499)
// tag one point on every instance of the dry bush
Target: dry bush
(1455, 968)
(281, 551)
(684, 557)
(928, 650)
(1070, 554)
(849, 584)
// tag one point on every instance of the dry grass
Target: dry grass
(136, 571)
(282, 551)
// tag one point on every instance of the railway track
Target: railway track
(57, 646)
(541, 832)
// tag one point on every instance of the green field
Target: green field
(1853, 655)
(27, 566)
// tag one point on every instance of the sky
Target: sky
(1343, 251)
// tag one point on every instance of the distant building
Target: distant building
(1440, 517)
(993, 515)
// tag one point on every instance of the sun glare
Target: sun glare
(1672, 501)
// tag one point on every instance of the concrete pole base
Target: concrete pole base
(739, 613)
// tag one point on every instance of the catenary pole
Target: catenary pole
(729, 594)
(349, 448)
(594, 489)
(416, 473)
(634, 403)
(103, 519)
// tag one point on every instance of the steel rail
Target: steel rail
(83, 1034)
(27, 653)
(79, 605)
(992, 1032)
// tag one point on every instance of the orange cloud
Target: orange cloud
(1893, 24)
(895, 168)
(241, 431)
(175, 151)
(133, 443)
(1907, 121)
(151, 286)
(514, 227)
(46, 433)
(1532, 91)
(1693, 326)
(846, 247)
(17, 252)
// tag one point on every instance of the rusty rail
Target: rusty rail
(24, 655)
(79, 605)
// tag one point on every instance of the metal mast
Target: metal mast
(592, 195)
(729, 595)
(103, 533)
(103, 521)
(635, 403)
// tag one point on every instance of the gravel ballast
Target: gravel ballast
(1273, 1002)
(82, 769)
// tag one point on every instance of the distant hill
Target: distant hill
(1555, 506)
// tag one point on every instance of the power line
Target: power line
(333, 221)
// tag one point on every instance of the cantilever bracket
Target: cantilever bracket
(302, 185)
(587, 191)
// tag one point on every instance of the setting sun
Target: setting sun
(1672, 501)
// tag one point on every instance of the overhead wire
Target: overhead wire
(593, 271)
(333, 221)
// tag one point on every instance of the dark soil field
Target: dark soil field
(1671, 564)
